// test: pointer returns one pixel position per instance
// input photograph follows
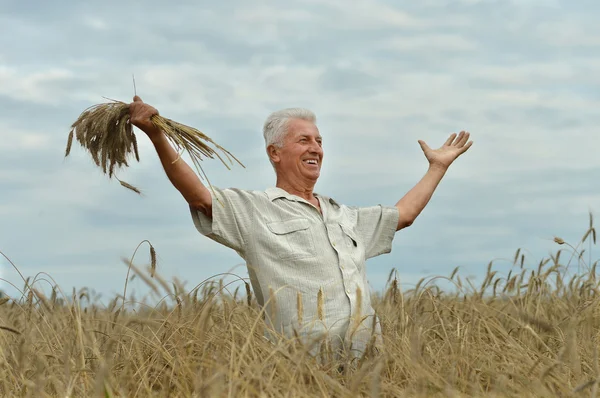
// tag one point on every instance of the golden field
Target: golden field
(532, 331)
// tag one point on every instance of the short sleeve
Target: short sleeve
(231, 218)
(377, 226)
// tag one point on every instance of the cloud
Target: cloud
(438, 43)
(33, 87)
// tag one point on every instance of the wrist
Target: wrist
(438, 168)
(156, 135)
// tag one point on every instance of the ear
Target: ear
(273, 153)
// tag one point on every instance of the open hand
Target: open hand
(447, 153)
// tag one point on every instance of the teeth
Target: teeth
(311, 161)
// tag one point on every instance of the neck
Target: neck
(301, 189)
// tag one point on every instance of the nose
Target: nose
(315, 148)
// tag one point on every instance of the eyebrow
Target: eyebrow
(308, 136)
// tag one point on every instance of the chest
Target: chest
(301, 235)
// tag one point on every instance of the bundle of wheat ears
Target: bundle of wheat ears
(106, 132)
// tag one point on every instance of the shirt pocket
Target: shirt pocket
(353, 246)
(293, 238)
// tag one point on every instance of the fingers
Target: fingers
(466, 147)
(450, 139)
(137, 99)
(462, 140)
(459, 140)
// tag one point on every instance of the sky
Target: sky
(521, 76)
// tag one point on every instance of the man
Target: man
(305, 253)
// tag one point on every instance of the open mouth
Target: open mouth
(311, 162)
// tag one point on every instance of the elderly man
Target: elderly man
(305, 252)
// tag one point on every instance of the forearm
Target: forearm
(181, 175)
(415, 200)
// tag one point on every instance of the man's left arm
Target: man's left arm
(415, 200)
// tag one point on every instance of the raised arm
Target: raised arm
(413, 203)
(179, 173)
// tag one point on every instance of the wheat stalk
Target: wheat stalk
(248, 294)
(152, 261)
(320, 305)
(273, 304)
(300, 308)
(105, 131)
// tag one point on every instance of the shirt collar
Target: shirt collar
(277, 193)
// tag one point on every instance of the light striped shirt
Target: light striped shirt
(292, 251)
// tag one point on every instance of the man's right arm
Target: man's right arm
(178, 171)
(182, 176)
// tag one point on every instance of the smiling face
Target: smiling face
(299, 160)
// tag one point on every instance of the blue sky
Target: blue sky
(521, 76)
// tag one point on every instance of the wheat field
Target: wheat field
(532, 331)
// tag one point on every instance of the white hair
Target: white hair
(276, 125)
